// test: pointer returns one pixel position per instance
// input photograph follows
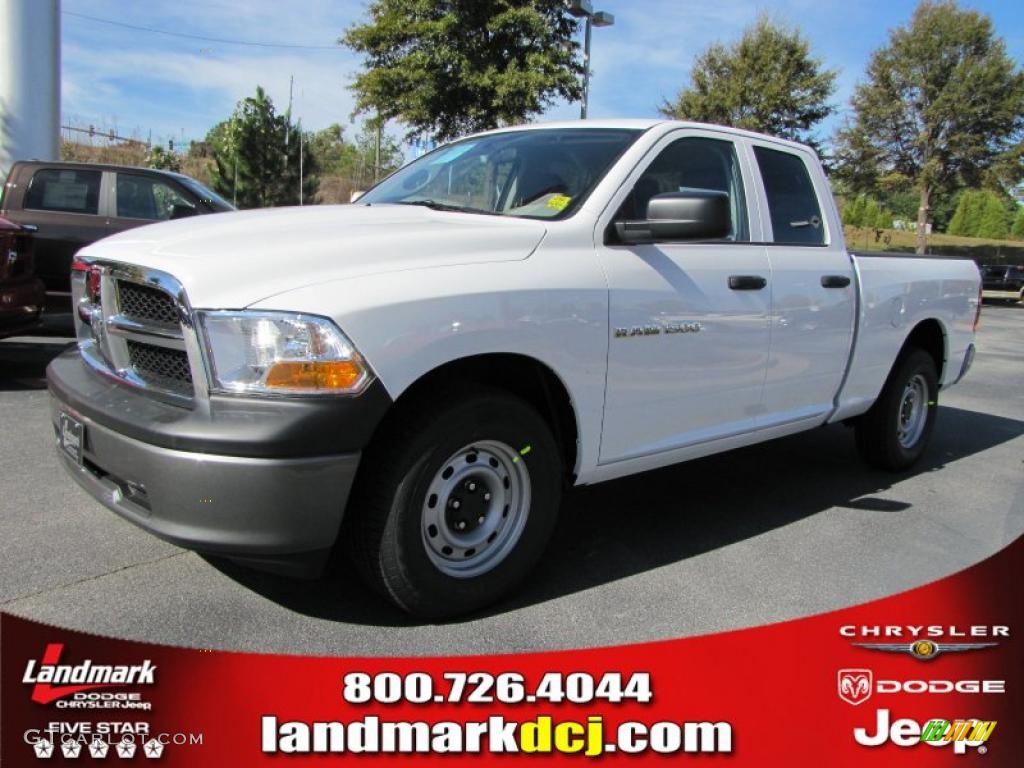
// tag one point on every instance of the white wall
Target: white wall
(29, 81)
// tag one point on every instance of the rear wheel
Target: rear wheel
(895, 432)
(455, 506)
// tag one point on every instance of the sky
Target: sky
(159, 86)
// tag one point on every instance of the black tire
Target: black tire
(385, 529)
(878, 432)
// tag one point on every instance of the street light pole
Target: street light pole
(582, 9)
(586, 69)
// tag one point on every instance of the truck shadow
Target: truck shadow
(23, 364)
(625, 527)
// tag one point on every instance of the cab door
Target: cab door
(688, 346)
(813, 290)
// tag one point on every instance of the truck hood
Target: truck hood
(232, 260)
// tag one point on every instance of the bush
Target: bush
(994, 222)
(1017, 230)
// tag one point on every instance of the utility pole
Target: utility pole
(582, 9)
(288, 115)
(376, 164)
(300, 161)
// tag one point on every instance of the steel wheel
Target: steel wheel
(894, 433)
(475, 509)
(913, 411)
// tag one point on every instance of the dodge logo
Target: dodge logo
(855, 685)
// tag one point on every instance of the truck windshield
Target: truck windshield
(544, 173)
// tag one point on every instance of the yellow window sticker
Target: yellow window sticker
(559, 202)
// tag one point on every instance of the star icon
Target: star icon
(153, 748)
(126, 749)
(98, 748)
(44, 749)
(71, 749)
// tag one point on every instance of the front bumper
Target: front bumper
(992, 293)
(21, 306)
(151, 463)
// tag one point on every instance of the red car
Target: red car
(22, 294)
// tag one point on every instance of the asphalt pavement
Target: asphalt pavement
(772, 532)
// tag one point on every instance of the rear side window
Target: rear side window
(792, 201)
(66, 191)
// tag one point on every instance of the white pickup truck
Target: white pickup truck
(417, 376)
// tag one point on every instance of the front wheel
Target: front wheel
(457, 505)
(895, 432)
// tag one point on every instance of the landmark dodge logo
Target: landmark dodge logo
(855, 685)
(80, 677)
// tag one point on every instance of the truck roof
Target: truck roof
(76, 165)
(643, 124)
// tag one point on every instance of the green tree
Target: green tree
(853, 212)
(445, 69)
(994, 222)
(975, 212)
(956, 224)
(968, 214)
(1017, 230)
(163, 159)
(256, 156)
(332, 153)
(871, 212)
(883, 219)
(767, 81)
(941, 104)
(374, 165)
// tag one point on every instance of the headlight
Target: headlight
(281, 353)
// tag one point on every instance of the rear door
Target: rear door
(66, 205)
(688, 350)
(139, 198)
(812, 289)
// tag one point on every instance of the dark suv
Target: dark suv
(74, 204)
(21, 293)
(1002, 282)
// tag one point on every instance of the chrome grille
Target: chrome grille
(163, 367)
(135, 324)
(141, 302)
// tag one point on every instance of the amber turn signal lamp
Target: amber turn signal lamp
(336, 375)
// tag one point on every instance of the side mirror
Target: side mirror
(180, 211)
(692, 214)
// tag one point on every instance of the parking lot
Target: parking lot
(776, 531)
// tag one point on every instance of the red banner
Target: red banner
(932, 676)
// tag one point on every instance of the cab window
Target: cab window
(143, 197)
(792, 201)
(66, 191)
(692, 163)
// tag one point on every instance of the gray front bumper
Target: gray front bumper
(278, 514)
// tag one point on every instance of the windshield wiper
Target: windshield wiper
(434, 205)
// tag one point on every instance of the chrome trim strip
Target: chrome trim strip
(134, 329)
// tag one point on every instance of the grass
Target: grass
(980, 249)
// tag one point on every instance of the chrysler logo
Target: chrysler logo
(923, 650)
